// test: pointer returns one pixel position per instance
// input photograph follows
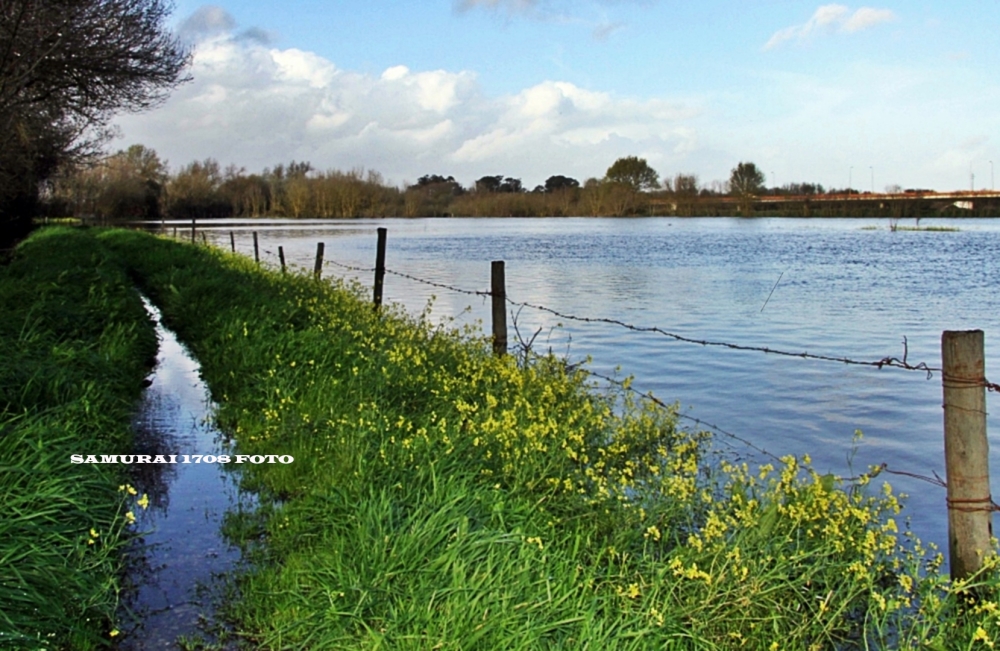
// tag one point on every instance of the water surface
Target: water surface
(182, 550)
(844, 290)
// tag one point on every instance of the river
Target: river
(836, 287)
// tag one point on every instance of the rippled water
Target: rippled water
(182, 549)
(844, 290)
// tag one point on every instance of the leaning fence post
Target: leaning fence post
(318, 269)
(256, 251)
(232, 241)
(193, 229)
(499, 293)
(281, 256)
(966, 450)
(379, 267)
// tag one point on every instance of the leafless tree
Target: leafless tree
(66, 67)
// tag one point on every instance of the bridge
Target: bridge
(914, 203)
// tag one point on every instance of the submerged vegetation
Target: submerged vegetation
(74, 342)
(444, 498)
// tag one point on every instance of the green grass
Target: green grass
(443, 498)
(73, 340)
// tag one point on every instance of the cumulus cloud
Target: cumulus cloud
(832, 18)
(257, 105)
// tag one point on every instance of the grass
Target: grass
(444, 498)
(73, 341)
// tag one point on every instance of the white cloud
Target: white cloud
(867, 17)
(256, 106)
(832, 18)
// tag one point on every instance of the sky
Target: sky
(891, 93)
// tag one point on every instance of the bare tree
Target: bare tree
(66, 67)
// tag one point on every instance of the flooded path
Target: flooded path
(182, 549)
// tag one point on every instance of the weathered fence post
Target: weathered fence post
(379, 267)
(204, 238)
(193, 229)
(281, 256)
(318, 269)
(232, 241)
(499, 293)
(175, 233)
(966, 450)
(256, 251)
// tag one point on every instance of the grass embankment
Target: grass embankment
(442, 498)
(74, 339)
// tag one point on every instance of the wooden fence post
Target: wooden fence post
(318, 269)
(256, 251)
(193, 229)
(966, 450)
(232, 241)
(499, 293)
(380, 267)
(281, 256)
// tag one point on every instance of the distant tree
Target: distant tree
(195, 192)
(298, 169)
(803, 188)
(559, 182)
(136, 180)
(634, 173)
(746, 182)
(685, 193)
(489, 183)
(511, 185)
(686, 184)
(431, 195)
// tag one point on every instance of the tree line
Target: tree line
(136, 184)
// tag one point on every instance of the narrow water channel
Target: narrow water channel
(176, 563)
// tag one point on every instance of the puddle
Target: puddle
(182, 550)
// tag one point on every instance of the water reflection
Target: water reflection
(173, 565)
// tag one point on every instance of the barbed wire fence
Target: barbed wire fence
(888, 361)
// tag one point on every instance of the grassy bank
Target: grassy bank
(442, 498)
(74, 339)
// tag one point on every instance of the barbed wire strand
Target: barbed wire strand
(889, 361)
(954, 504)
(885, 361)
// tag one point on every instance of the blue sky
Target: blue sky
(907, 93)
